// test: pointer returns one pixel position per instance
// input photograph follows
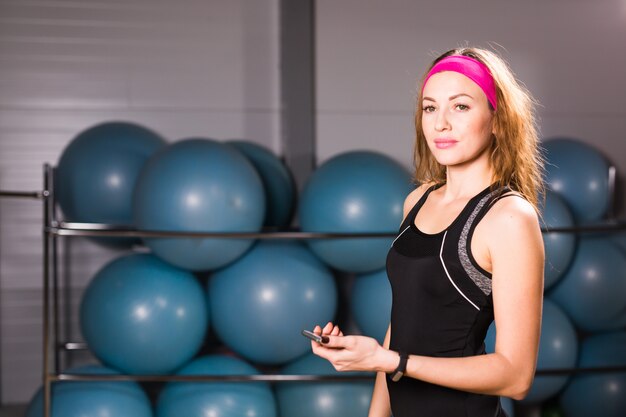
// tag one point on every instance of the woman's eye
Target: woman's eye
(462, 107)
(428, 109)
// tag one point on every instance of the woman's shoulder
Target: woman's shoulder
(414, 196)
(511, 211)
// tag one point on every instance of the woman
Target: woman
(465, 253)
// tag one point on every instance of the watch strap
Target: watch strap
(401, 369)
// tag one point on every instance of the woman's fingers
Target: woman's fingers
(328, 328)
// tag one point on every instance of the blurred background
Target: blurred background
(308, 80)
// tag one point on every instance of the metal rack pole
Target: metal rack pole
(47, 381)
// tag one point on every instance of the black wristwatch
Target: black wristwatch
(401, 369)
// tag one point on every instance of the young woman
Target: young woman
(468, 251)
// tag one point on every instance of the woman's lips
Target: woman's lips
(445, 143)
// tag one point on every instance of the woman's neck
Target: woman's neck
(467, 180)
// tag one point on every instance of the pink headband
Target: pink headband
(472, 69)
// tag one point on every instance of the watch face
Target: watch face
(396, 376)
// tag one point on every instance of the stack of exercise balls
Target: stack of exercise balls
(584, 317)
(154, 313)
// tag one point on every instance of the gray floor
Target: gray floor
(12, 410)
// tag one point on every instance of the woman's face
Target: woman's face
(456, 119)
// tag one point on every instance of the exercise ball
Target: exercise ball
(558, 348)
(559, 247)
(143, 316)
(323, 398)
(216, 399)
(600, 394)
(592, 290)
(278, 183)
(97, 172)
(579, 174)
(508, 406)
(93, 398)
(371, 304)
(620, 240)
(261, 303)
(355, 192)
(199, 185)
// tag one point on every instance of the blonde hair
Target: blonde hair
(515, 153)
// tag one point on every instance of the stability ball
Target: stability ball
(216, 399)
(559, 247)
(579, 173)
(355, 192)
(93, 398)
(260, 304)
(97, 172)
(508, 406)
(592, 290)
(143, 316)
(558, 348)
(199, 185)
(600, 394)
(324, 398)
(620, 240)
(278, 183)
(371, 304)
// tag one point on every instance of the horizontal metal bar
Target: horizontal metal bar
(288, 378)
(74, 346)
(96, 229)
(37, 195)
(64, 231)
(209, 378)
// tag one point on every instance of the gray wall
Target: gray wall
(211, 68)
(184, 68)
(569, 53)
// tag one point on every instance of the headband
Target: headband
(472, 69)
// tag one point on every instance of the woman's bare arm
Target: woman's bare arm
(380, 406)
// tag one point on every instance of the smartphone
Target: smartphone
(315, 337)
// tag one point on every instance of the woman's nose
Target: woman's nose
(441, 121)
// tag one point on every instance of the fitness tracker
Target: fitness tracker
(401, 369)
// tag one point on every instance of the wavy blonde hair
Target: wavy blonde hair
(515, 153)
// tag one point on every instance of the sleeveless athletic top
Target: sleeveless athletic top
(442, 307)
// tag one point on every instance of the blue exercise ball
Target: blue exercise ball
(280, 188)
(97, 172)
(260, 304)
(592, 290)
(559, 247)
(355, 192)
(371, 304)
(143, 316)
(324, 398)
(199, 185)
(508, 406)
(579, 173)
(600, 394)
(620, 240)
(558, 348)
(93, 398)
(216, 399)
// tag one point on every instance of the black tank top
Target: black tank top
(442, 307)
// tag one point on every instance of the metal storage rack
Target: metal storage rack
(53, 346)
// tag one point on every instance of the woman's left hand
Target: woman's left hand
(353, 353)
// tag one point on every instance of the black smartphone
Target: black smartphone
(315, 337)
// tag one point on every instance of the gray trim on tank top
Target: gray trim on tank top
(481, 280)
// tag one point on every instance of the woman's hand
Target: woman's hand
(353, 353)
